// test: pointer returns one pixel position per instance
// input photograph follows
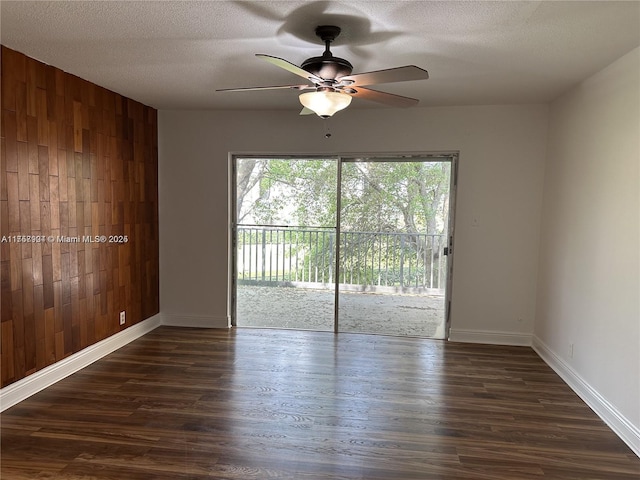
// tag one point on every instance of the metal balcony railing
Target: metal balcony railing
(367, 259)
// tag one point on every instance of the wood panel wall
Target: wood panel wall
(77, 160)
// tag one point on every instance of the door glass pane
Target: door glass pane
(393, 230)
(285, 242)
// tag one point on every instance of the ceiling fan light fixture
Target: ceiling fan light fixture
(324, 103)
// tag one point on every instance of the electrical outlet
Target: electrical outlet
(123, 318)
(571, 350)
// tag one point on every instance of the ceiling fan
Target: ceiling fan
(332, 81)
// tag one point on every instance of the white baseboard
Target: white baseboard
(628, 432)
(490, 337)
(18, 391)
(195, 321)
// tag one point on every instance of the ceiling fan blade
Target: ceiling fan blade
(382, 97)
(399, 74)
(271, 87)
(282, 63)
(306, 111)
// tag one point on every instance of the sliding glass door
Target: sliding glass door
(285, 242)
(394, 223)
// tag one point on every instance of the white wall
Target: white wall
(589, 285)
(502, 150)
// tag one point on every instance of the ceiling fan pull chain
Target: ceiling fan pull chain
(327, 132)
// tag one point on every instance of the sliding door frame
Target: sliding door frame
(447, 156)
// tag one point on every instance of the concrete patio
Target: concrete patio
(313, 309)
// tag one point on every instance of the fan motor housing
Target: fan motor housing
(327, 67)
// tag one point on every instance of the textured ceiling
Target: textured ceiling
(175, 54)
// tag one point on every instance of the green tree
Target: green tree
(409, 197)
(287, 192)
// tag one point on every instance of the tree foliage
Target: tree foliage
(409, 197)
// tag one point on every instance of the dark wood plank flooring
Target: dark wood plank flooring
(260, 404)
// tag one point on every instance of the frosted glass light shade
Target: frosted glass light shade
(325, 104)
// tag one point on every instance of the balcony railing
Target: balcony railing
(368, 260)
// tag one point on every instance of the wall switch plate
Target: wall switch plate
(123, 318)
